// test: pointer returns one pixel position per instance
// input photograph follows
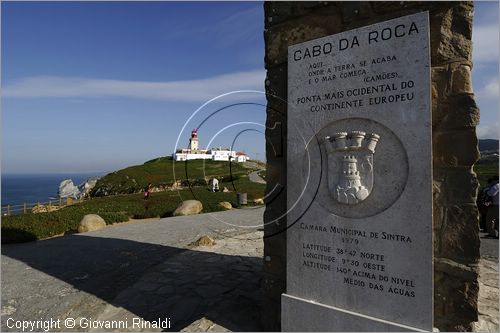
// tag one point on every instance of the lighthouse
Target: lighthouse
(193, 142)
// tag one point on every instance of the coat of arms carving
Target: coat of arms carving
(350, 165)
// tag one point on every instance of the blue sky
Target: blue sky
(99, 86)
(485, 67)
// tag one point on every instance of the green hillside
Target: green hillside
(121, 207)
(160, 173)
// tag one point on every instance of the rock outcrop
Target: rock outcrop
(44, 209)
(68, 190)
(91, 222)
(188, 207)
(87, 186)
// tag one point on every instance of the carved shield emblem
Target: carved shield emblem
(350, 165)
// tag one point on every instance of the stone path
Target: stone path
(254, 177)
(488, 296)
(488, 286)
(145, 269)
(150, 271)
(212, 288)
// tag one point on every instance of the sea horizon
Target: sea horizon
(20, 188)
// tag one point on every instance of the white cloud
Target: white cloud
(198, 90)
(490, 91)
(241, 27)
(485, 43)
(488, 131)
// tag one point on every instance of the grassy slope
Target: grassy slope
(160, 172)
(28, 227)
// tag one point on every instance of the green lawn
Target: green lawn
(28, 227)
(485, 171)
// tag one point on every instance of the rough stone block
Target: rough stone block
(461, 112)
(462, 19)
(455, 296)
(446, 44)
(460, 78)
(353, 10)
(282, 11)
(455, 148)
(382, 7)
(278, 38)
(456, 186)
(437, 218)
(457, 238)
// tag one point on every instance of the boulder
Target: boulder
(188, 207)
(91, 222)
(225, 205)
(258, 201)
(204, 241)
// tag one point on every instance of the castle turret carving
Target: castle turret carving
(356, 149)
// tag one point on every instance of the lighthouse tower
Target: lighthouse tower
(193, 142)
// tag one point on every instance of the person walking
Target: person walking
(147, 191)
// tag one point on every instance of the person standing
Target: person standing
(483, 202)
(492, 213)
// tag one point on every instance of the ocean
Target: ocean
(18, 189)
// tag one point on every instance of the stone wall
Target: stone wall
(455, 116)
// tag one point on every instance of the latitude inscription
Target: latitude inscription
(360, 179)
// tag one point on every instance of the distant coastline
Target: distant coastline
(31, 188)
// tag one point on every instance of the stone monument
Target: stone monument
(367, 227)
(360, 204)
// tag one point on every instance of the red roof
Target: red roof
(240, 153)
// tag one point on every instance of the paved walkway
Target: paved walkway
(488, 286)
(146, 270)
(254, 177)
(149, 270)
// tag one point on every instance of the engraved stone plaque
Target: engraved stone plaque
(359, 180)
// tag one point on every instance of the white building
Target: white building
(214, 154)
